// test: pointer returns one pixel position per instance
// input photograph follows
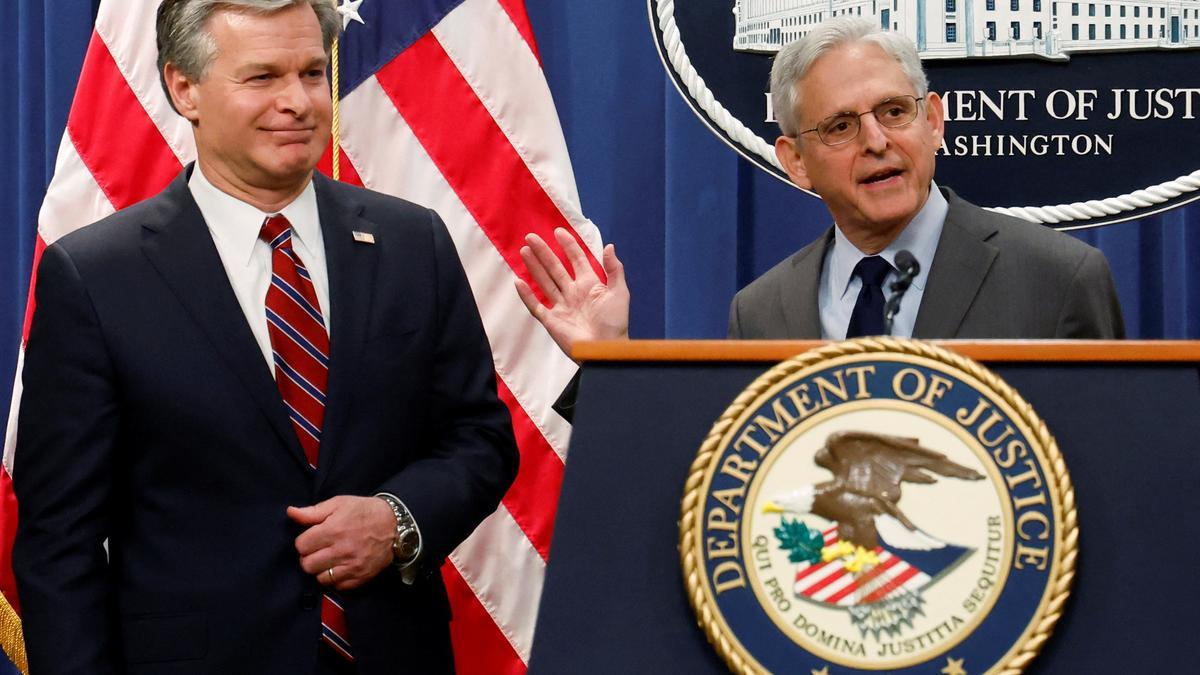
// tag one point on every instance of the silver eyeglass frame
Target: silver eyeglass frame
(917, 101)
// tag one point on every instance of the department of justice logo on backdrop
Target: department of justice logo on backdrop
(878, 505)
(1072, 113)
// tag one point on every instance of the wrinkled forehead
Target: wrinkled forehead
(853, 77)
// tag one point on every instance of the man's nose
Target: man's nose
(293, 97)
(872, 134)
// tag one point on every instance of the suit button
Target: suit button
(308, 601)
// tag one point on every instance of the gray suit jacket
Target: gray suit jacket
(992, 276)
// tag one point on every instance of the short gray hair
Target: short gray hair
(795, 60)
(185, 41)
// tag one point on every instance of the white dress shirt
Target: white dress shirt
(839, 287)
(234, 226)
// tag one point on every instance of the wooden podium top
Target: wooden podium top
(980, 350)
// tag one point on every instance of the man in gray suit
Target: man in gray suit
(861, 129)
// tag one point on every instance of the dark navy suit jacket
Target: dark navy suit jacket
(151, 420)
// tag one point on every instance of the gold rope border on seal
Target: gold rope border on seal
(1049, 610)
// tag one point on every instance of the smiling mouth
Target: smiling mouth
(291, 135)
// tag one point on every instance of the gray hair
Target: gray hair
(795, 60)
(185, 41)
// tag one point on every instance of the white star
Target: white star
(349, 11)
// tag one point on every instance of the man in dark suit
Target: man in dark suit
(861, 129)
(269, 393)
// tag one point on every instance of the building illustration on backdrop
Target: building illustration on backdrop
(1051, 29)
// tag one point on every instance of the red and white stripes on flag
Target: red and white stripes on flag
(831, 583)
(462, 122)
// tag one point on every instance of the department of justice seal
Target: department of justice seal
(878, 504)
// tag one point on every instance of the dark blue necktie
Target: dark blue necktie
(867, 318)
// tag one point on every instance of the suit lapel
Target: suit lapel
(352, 267)
(960, 264)
(798, 296)
(181, 249)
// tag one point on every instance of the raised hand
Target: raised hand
(581, 306)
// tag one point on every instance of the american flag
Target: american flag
(829, 582)
(444, 103)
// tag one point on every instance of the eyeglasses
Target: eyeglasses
(843, 127)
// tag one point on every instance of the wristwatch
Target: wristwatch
(407, 543)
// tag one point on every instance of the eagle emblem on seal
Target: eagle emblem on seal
(866, 556)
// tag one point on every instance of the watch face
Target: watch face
(406, 543)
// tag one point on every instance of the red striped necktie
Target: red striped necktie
(300, 349)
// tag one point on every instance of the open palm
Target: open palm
(580, 306)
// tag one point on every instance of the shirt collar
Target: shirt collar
(920, 237)
(236, 224)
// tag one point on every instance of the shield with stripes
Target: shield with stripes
(880, 589)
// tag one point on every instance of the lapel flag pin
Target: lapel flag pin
(364, 237)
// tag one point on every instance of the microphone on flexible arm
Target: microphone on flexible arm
(909, 268)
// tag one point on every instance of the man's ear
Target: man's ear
(787, 149)
(935, 113)
(183, 92)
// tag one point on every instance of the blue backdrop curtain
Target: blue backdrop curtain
(692, 221)
(42, 43)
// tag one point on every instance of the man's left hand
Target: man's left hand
(348, 540)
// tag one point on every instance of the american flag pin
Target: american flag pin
(364, 237)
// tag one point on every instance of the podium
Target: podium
(1126, 416)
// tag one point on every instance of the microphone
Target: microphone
(909, 269)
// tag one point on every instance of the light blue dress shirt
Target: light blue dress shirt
(839, 287)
